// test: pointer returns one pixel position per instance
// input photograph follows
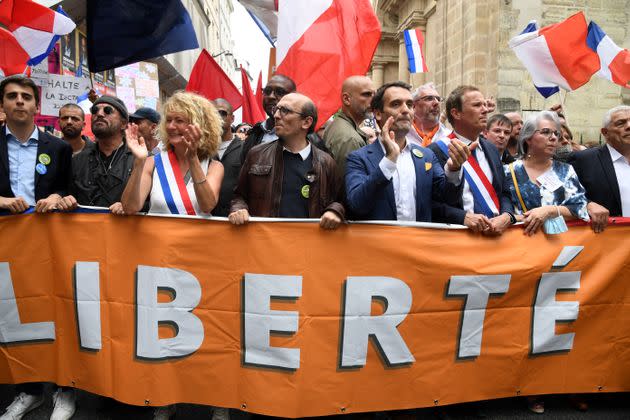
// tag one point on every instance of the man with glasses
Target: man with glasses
(230, 156)
(99, 175)
(343, 134)
(264, 131)
(288, 177)
(485, 206)
(426, 126)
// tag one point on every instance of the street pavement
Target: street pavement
(601, 407)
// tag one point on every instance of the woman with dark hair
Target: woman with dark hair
(544, 192)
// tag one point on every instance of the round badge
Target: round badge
(44, 158)
(418, 153)
(305, 191)
(41, 168)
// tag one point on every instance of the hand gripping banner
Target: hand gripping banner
(290, 320)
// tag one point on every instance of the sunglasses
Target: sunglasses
(223, 113)
(108, 110)
(279, 92)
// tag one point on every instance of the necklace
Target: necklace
(111, 162)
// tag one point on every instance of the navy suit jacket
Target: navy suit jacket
(456, 214)
(370, 195)
(594, 168)
(59, 171)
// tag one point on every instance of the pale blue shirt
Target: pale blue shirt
(22, 161)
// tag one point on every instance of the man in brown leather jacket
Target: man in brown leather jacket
(288, 177)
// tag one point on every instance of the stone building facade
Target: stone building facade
(466, 42)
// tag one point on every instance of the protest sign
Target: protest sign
(60, 90)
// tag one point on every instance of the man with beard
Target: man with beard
(426, 126)
(343, 134)
(72, 122)
(264, 131)
(392, 178)
(485, 205)
(99, 175)
(514, 150)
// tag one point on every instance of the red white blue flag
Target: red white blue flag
(614, 61)
(34, 26)
(414, 43)
(13, 58)
(322, 42)
(557, 55)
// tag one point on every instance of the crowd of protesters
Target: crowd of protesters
(392, 153)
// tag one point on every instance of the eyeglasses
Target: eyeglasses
(548, 132)
(430, 98)
(223, 113)
(108, 110)
(278, 91)
(284, 111)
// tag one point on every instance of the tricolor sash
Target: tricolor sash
(484, 195)
(172, 183)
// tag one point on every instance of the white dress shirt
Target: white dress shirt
(303, 153)
(403, 173)
(622, 172)
(455, 177)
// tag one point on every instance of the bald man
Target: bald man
(288, 177)
(343, 135)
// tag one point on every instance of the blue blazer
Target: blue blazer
(59, 171)
(370, 196)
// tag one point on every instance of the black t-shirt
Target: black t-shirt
(295, 185)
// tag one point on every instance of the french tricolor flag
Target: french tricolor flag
(615, 61)
(13, 58)
(34, 26)
(414, 42)
(556, 55)
(322, 42)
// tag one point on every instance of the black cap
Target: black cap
(146, 114)
(116, 103)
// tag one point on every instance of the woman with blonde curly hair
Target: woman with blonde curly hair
(183, 178)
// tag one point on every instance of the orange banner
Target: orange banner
(290, 320)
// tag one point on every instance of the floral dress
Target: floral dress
(566, 189)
